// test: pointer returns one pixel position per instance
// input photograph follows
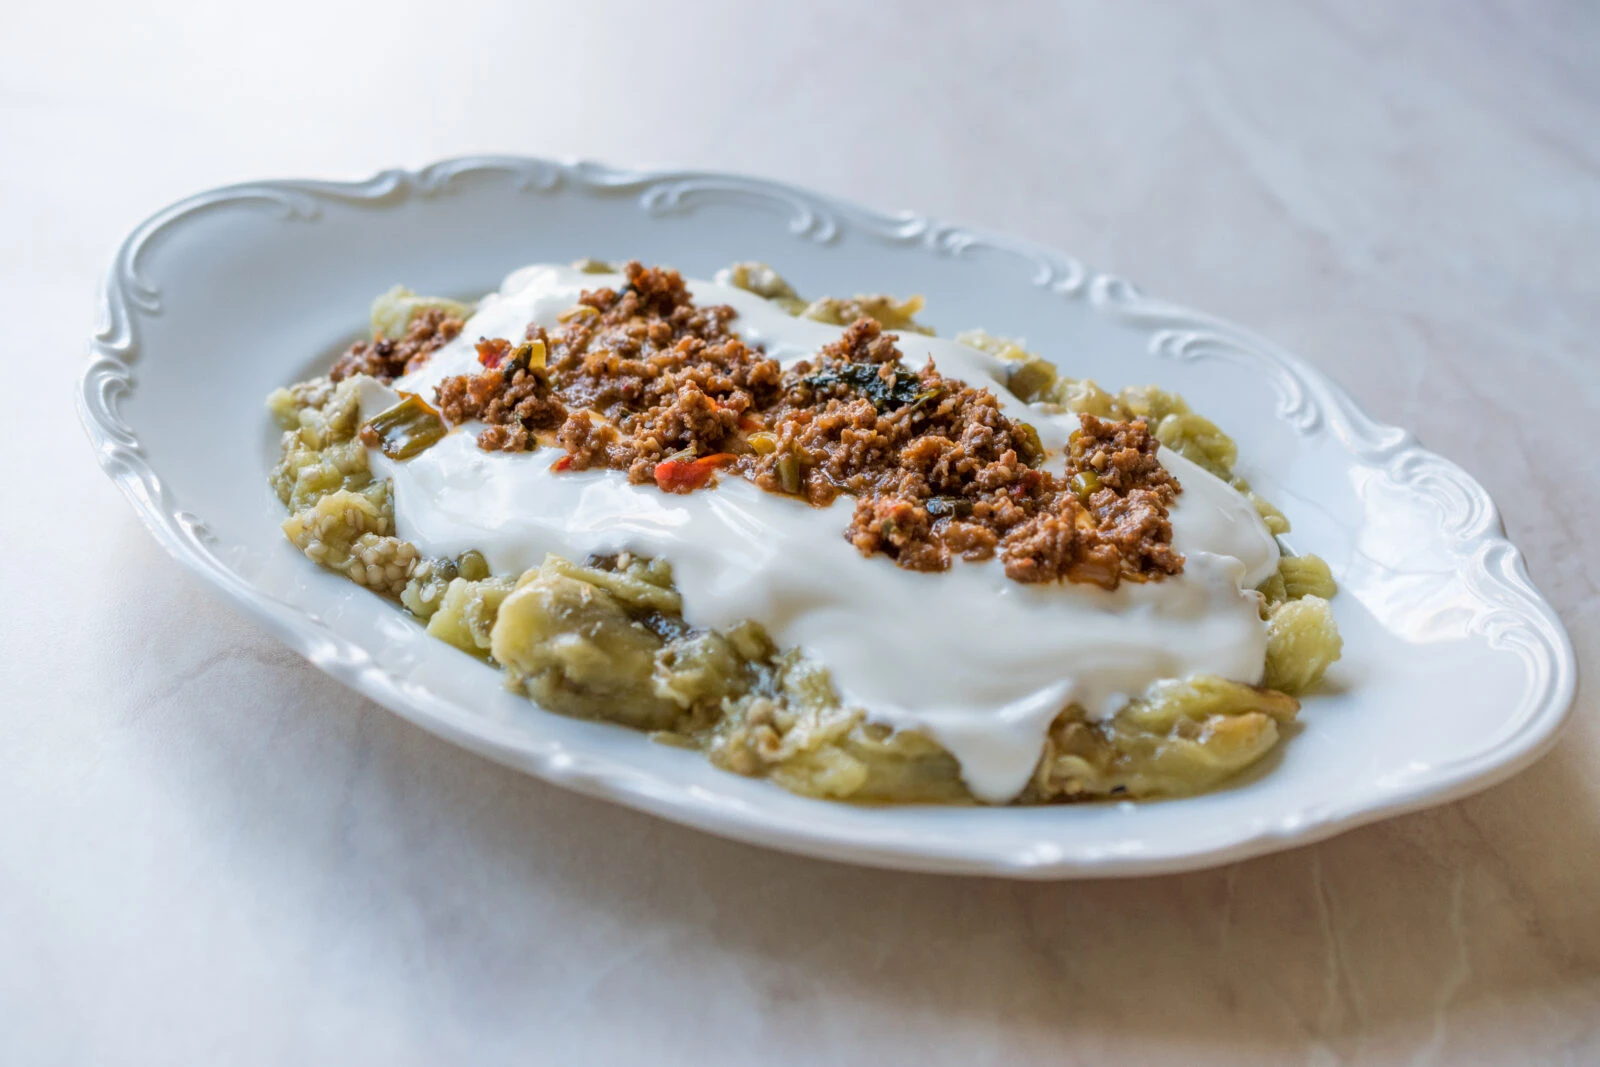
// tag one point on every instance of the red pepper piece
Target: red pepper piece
(1027, 483)
(492, 353)
(687, 475)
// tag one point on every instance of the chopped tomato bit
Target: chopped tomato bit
(562, 464)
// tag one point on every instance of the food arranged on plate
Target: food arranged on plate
(810, 539)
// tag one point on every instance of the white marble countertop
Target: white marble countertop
(210, 853)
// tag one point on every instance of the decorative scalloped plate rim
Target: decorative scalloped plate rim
(1510, 611)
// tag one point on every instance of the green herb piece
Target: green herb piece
(904, 388)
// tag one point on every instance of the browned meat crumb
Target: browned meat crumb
(1049, 544)
(1138, 527)
(387, 358)
(1122, 455)
(646, 382)
(513, 396)
(899, 528)
(667, 377)
(1113, 524)
(590, 442)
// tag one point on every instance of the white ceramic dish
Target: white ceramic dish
(1456, 672)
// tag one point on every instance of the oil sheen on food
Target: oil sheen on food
(968, 656)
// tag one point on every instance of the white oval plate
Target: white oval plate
(1456, 672)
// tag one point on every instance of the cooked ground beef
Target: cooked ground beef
(388, 358)
(669, 378)
(939, 471)
(1113, 524)
(1121, 455)
(513, 396)
(644, 381)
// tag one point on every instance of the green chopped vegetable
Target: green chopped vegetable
(1085, 484)
(530, 355)
(1029, 448)
(789, 469)
(407, 429)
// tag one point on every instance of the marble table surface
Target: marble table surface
(210, 853)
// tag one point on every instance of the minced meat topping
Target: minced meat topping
(669, 382)
(387, 358)
(643, 381)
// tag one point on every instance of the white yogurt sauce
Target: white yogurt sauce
(978, 661)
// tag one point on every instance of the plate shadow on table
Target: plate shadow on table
(1394, 929)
